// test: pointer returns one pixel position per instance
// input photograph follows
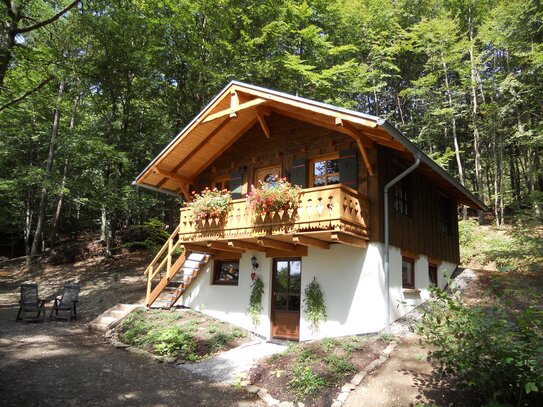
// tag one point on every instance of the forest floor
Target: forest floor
(56, 363)
(60, 363)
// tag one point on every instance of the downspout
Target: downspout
(387, 245)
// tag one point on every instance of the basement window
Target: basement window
(226, 272)
(432, 275)
(408, 272)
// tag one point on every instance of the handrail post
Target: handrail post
(169, 265)
(149, 280)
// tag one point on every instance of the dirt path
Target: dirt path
(406, 379)
(59, 363)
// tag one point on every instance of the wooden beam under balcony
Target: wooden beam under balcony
(350, 240)
(310, 241)
(245, 245)
(193, 247)
(224, 246)
(276, 244)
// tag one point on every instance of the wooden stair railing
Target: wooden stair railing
(166, 265)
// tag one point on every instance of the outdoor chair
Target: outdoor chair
(66, 303)
(30, 302)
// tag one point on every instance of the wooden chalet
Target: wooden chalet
(342, 160)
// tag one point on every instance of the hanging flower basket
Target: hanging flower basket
(210, 205)
(275, 197)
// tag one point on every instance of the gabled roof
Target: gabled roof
(239, 106)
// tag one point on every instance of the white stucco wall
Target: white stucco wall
(352, 280)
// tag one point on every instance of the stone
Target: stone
(336, 403)
(169, 359)
(343, 396)
(244, 383)
(348, 387)
(252, 389)
(262, 392)
(243, 375)
(286, 404)
(300, 404)
(119, 345)
(383, 358)
(272, 402)
(357, 378)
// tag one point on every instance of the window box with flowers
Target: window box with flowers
(210, 206)
(277, 199)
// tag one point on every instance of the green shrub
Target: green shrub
(219, 341)
(305, 382)
(339, 366)
(328, 344)
(493, 350)
(174, 341)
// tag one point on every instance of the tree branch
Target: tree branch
(48, 21)
(25, 95)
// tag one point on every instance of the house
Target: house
(343, 160)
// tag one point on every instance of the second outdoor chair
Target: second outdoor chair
(66, 303)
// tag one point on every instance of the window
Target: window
(445, 215)
(221, 183)
(432, 275)
(400, 198)
(325, 170)
(226, 272)
(408, 272)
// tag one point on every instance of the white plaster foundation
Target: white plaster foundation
(351, 278)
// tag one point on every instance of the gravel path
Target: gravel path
(227, 365)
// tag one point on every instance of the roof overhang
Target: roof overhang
(240, 106)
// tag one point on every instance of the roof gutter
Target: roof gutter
(387, 244)
(152, 188)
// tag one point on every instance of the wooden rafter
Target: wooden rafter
(245, 245)
(224, 246)
(172, 175)
(203, 143)
(358, 137)
(233, 110)
(348, 240)
(234, 103)
(310, 241)
(226, 147)
(193, 247)
(185, 190)
(276, 244)
(261, 119)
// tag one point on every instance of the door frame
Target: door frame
(275, 260)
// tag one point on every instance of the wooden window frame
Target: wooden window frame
(267, 167)
(216, 268)
(412, 262)
(222, 180)
(444, 212)
(324, 157)
(400, 200)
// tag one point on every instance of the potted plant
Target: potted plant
(210, 204)
(273, 197)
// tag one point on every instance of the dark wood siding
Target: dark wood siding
(419, 231)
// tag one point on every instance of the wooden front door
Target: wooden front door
(285, 310)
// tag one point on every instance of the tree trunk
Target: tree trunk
(38, 235)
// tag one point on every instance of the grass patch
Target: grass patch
(184, 334)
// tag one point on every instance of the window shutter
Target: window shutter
(348, 170)
(298, 173)
(236, 182)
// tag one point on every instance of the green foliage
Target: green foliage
(339, 366)
(255, 301)
(174, 341)
(209, 204)
(328, 344)
(314, 306)
(150, 236)
(494, 350)
(305, 381)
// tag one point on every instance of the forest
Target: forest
(91, 91)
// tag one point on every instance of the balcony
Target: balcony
(328, 214)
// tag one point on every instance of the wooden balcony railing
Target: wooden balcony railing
(331, 207)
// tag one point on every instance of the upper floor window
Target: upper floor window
(401, 202)
(221, 183)
(445, 215)
(324, 170)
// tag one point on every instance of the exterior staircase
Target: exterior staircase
(112, 317)
(171, 272)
